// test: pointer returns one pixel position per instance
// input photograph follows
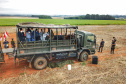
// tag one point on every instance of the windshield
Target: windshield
(90, 38)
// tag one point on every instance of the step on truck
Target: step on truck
(53, 42)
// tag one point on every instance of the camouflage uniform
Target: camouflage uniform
(101, 46)
(113, 47)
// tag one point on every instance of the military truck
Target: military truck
(60, 42)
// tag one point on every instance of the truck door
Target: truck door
(79, 41)
(90, 43)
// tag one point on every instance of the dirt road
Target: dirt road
(105, 32)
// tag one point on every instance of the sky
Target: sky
(63, 7)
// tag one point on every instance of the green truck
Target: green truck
(53, 42)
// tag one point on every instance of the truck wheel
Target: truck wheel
(39, 63)
(83, 56)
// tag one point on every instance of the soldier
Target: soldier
(13, 43)
(114, 39)
(101, 45)
(112, 46)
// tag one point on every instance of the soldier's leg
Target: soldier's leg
(111, 50)
(101, 49)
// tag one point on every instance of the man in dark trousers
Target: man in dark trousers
(101, 45)
(13, 43)
(112, 47)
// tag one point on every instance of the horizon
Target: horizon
(60, 15)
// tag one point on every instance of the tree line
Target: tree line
(42, 16)
(120, 16)
(93, 17)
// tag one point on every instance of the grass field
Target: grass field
(13, 22)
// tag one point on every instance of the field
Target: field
(14, 21)
(111, 68)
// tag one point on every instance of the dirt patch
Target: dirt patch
(109, 71)
(9, 29)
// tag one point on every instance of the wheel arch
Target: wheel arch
(32, 57)
(80, 52)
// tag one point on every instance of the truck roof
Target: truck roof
(86, 32)
(39, 25)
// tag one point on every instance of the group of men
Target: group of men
(112, 45)
(6, 43)
(32, 35)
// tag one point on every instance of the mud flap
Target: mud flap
(2, 58)
(15, 60)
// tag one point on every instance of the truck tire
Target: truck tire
(83, 56)
(39, 63)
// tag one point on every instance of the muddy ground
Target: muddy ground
(105, 32)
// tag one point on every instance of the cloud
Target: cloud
(3, 1)
(7, 10)
(68, 7)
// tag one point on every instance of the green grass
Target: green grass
(13, 22)
(83, 63)
(23, 73)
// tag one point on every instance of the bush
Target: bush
(60, 64)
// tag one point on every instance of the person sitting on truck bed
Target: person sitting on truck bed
(28, 35)
(37, 35)
(72, 36)
(21, 35)
(52, 34)
(47, 36)
(32, 35)
(41, 35)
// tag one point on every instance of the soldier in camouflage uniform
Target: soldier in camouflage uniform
(101, 45)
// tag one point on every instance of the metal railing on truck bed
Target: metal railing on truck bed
(44, 47)
(53, 44)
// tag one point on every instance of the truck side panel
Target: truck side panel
(44, 47)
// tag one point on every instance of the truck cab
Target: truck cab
(87, 41)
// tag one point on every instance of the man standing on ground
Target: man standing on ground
(114, 39)
(101, 45)
(112, 47)
(13, 43)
